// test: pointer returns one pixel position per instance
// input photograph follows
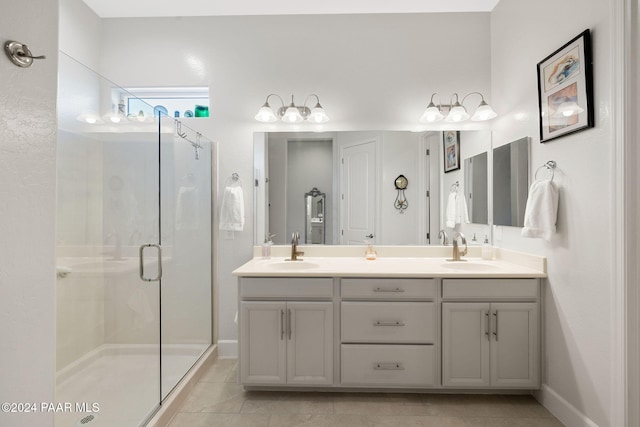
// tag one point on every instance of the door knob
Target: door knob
(370, 236)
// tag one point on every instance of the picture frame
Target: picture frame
(451, 150)
(565, 89)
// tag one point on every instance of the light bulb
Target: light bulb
(266, 114)
(431, 114)
(292, 115)
(457, 114)
(318, 115)
(483, 112)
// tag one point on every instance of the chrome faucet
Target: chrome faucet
(456, 250)
(295, 237)
(445, 237)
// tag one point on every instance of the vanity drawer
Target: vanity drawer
(388, 322)
(388, 289)
(388, 365)
(280, 287)
(494, 289)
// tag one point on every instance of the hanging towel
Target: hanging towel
(187, 209)
(456, 210)
(232, 210)
(541, 212)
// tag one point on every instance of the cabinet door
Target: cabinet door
(465, 344)
(514, 345)
(310, 343)
(263, 342)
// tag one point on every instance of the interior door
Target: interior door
(358, 192)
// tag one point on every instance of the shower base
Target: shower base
(122, 382)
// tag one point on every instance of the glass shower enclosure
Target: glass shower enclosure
(134, 253)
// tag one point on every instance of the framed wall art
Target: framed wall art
(451, 150)
(565, 89)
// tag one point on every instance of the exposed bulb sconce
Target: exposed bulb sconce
(292, 113)
(457, 112)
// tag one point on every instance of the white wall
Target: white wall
(80, 31)
(371, 72)
(577, 293)
(27, 208)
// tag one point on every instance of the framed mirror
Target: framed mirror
(510, 182)
(314, 231)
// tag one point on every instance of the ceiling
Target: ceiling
(157, 8)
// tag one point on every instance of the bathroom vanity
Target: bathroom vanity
(337, 320)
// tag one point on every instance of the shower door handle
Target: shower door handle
(141, 256)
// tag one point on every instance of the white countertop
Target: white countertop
(430, 263)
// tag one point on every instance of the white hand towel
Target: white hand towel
(451, 211)
(232, 209)
(456, 210)
(462, 213)
(541, 213)
(187, 209)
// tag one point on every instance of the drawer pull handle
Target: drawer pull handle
(388, 366)
(392, 323)
(379, 289)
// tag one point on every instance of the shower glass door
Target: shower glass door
(185, 194)
(133, 290)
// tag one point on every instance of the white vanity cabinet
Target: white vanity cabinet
(286, 334)
(490, 333)
(388, 333)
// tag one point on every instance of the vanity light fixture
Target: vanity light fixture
(457, 111)
(292, 113)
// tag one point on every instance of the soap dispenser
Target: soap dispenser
(370, 254)
(487, 249)
(266, 246)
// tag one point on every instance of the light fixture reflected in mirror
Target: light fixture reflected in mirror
(457, 112)
(116, 115)
(567, 109)
(292, 113)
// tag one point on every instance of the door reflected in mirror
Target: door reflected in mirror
(510, 182)
(476, 191)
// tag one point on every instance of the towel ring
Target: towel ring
(454, 187)
(550, 165)
(234, 180)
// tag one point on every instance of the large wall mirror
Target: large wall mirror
(356, 171)
(510, 182)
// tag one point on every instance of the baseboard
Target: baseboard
(561, 409)
(227, 349)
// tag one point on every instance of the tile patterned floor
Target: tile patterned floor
(218, 401)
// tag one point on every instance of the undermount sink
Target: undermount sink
(293, 265)
(467, 266)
